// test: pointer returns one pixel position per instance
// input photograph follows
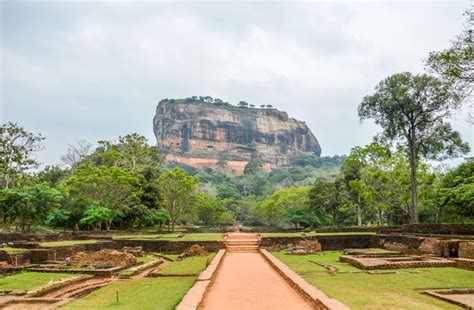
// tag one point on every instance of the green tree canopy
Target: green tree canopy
(412, 111)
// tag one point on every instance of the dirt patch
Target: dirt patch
(305, 247)
(195, 250)
(105, 257)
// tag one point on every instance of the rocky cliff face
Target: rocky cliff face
(208, 135)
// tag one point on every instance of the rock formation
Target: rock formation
(226, 137)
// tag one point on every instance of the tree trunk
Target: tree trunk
(414, 194)
(172, 226)
(359, 215)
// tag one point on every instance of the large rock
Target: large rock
(228, 137)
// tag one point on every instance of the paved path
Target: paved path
(246, 281)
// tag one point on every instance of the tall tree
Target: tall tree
(17, 147)
(179, 194)
(412, 111)
(76, 153)
(455, 65)
(328, 197)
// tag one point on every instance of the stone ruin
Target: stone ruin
(195, 250)
(304, 247)
(136, 251)
(432, 252)
(103, 257)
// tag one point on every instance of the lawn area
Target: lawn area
(146, 259)
(174, 237)
(297, 234)
(187, 266)
(151, 293)
(30, 280)
(361, 290)
(66, 243)
(14, 250)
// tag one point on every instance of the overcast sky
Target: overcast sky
(96, 70)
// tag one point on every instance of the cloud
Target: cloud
(90, 70)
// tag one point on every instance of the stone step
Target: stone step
(240, 236)
(243, 242)
(242, 250)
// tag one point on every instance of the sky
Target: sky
(96, 70)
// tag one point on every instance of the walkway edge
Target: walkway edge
(194, 297)
(311, 294)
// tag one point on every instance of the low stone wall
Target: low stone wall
(171, 247)
(328, 243)
(311, 294)
(432, 229)
(17, 237)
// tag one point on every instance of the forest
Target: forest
(397, 179)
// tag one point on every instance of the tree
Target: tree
(210, 211)
(17, 147)
(275, 209)
(115, 188)
(262, 106)
(297, 217)
(243, 104)
(135, 153)
(455, 65)
(179, 193)
(455, 197)
(27, 206)
(52, 175)
(96, 216)
(412, 109)
(328, 197)
(160, 217)
(76, 153)
(269, 106)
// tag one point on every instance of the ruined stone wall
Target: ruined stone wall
(327, 242)
(170, 247)
(466, 249)
(432, 229)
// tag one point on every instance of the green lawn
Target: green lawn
(14, 250)
(66, 243)
(187, 266)
(30, 280)
(174, 237)
(361, 290)
(297, 234)
(151, 293)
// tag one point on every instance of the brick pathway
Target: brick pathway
(247, 281)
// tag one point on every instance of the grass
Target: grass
(359, 290)
(66, 243)
(187, 266)
(297, 234)
(151, 293)
(174, 237)
(146, 259)
(14, 250)
(30, 280)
